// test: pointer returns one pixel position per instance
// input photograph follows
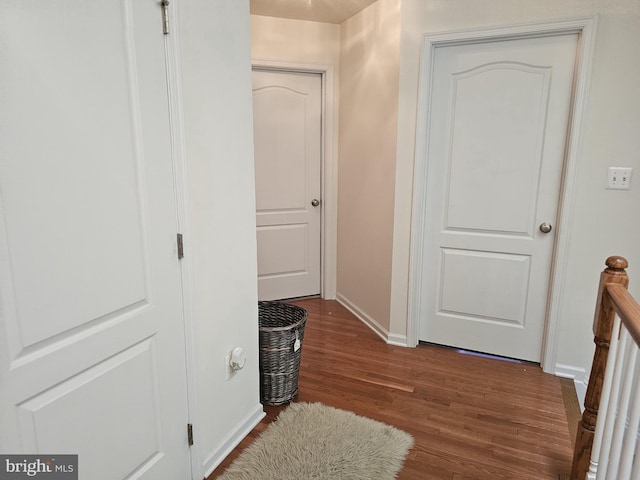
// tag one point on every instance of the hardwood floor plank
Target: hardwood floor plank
(472, 417)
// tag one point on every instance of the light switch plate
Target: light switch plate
(619, 178)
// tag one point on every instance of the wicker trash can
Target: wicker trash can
(281, 332)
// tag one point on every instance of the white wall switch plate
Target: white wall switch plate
(619, 178)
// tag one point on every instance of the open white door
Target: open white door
(92, 351)
(287, 111)
(499, 113)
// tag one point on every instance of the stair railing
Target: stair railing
(607, 443)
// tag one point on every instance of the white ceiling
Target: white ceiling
(328, 11)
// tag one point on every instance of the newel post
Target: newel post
(602, 326)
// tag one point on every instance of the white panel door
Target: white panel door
(92, 351)
(496, 148)
(287, 123)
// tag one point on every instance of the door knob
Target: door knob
(545, 227)
(315, 202)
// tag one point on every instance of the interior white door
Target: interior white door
(92, 350)
(496, 143)
(287, 111)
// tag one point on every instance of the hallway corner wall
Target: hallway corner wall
(369, 88)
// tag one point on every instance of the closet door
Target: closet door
(92, 351)
(497, 140)
(287, 125)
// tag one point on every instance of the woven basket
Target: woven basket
(281, 328)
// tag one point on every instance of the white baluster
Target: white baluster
(623, 406)
(611, 402)
(631, 436)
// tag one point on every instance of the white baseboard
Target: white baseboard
(232, 440)
(383, 333)
(579, 377)
(397, 340)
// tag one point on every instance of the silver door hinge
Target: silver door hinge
(165, 16)
(180, 247)
(190, 434)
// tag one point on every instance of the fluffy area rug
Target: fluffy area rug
(314, 441)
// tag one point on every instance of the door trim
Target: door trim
(181, 186)
(585, 27)
(328, 167)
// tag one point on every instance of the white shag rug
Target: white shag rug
(314, 441)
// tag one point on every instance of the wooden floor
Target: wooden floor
(471, 417)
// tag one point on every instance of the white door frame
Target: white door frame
(328, 174)
(585, 27)
(181, 186)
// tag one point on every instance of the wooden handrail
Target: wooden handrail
(614, 274)
(627, 309)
